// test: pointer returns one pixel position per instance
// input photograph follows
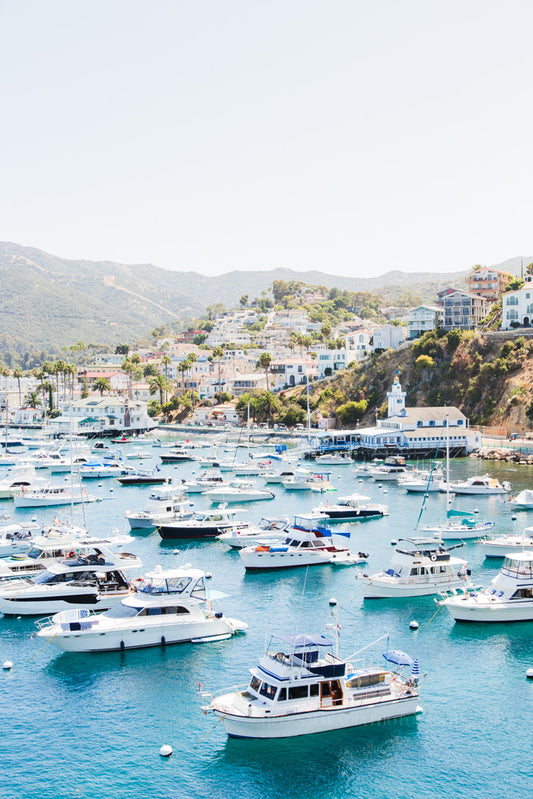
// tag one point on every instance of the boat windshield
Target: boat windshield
(162, 585)
(121, 612)
(518, 568)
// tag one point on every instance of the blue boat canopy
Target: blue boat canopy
(452, 513)
(300, 640)
(398, 657)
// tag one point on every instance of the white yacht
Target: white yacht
(515, 542)
(419, 567)
(268, 531)
(163, 505)
(334, 459)
(509, 599)
(166, 607)
(392, 469)
(483, 485)
(238, 491)
(459, 526)
(198, 485)
(97, 471)
(22, 476)
(51, 496)
(16, 538)
(202, 524)
(308, 542)
(300, 687)
(424, 482)
(94, 579)
(316, 481)
(353, 508)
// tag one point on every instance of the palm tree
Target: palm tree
(218, 353)
(265, 359)
(32, 399)
(17, 374)
(267, 404)
(159, 383)
(102, 384)
(166, 361)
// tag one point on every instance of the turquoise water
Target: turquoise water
(92, 725)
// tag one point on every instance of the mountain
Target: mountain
(48, 302)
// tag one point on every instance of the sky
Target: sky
(348, 136)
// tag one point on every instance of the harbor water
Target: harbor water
(91, 725)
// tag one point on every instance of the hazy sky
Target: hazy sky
(349, 136)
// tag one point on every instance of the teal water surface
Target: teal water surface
(92, 725)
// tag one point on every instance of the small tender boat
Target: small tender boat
(166, 607)
(523, 500)
(419, 567)
(483, 485)
(308, 542)
(353, 508)
(509, 599)
(300, 686)
(500, 546)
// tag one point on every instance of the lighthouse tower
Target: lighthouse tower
(396, 399)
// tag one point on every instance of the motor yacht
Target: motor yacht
(316, 481)
(166, 607)
(144, 477)
(93, 579)
(300, 687)
(509, 599)
(334, 459)
(162, 506)
(308, 542)
(211, 479)
(50, 496)
(353, 508)
(98, 470)
(238, 491)
(515, 542)
(419, 567)
(22, 476)
(392, 469)
(483, 485)
(177, 456)
(424, 482)
(16, 538)
(203, 524)
(268, 531)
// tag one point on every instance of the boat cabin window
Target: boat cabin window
(267, 690)
(282, 696)
(523, 593)
(199, 589)
(313, 689)
(255, 684)
(298, 692)
(413, 572)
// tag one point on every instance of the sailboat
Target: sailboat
(459, 525)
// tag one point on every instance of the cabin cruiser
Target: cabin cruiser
(202, 524)
(459, 526)
(238, 491)
(16, 538)
(424, 482)
(94, 578)
(162, 505)
(300, 686)
(211, 479)
(21, 476)
(144, 477)
(316, 481)
(523, 500)
(515, 542)
(98, 470)
(50, 496)
(419, 567)
(308, 542)
(166, 607)
(268, 531)
(480, 486)
(56, 544)
(334, 459)
(509, 599)
(177, 456)
(392, 469)
(275, 476)
(353, 508)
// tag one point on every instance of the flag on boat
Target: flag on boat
(415, 671)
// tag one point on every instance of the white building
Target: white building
(517, 306)
(358, 344)
(423, 318)
(330, 361)
(106, 415)
(388, 337)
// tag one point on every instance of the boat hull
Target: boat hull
(170, 533)
(288, 560)
(383, 590)
(471, 611)
(44, 606)
(311, 722)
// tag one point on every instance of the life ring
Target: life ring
(433, 558)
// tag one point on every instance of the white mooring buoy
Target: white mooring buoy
(513, 518)
(166, 750)
(413, 625)
(393, 542)
(7, 664)
(529, 674)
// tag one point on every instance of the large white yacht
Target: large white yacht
(483, 485)
(501, 545)
(166, 607)
(419, 567)
(52, 496)
(509, 599)
(202, 524)
(308, 542)
(94, 579)
(300, 687)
